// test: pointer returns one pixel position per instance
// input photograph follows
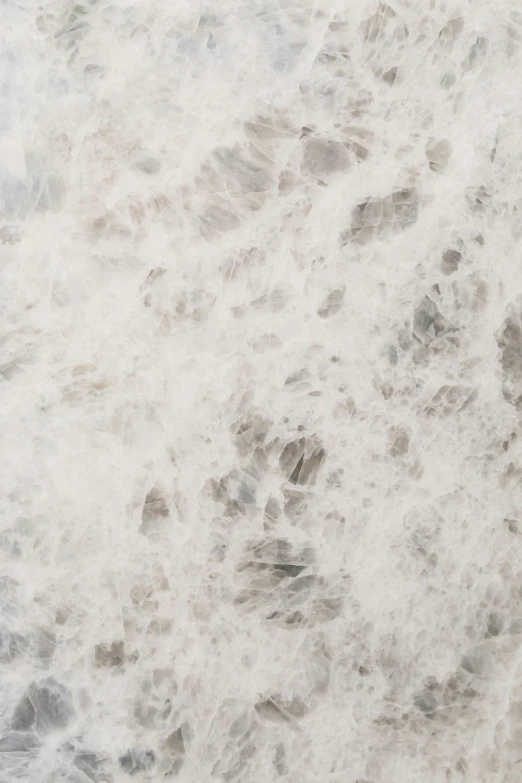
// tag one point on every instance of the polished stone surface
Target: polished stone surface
(260, 391)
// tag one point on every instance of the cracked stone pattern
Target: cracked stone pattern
(260, 390)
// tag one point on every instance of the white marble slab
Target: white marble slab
(260, 391)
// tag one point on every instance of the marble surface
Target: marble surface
(260, 391)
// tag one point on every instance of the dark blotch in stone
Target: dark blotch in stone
(137, 761)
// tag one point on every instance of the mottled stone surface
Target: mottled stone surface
(260, 391)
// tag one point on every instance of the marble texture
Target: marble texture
(260, 390)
